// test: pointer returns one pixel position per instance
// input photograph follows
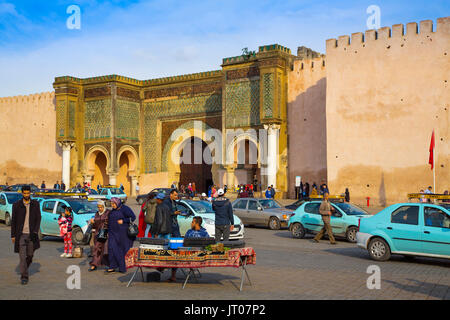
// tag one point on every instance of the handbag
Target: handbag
(87, 234)
(102, 235)
(133, 230)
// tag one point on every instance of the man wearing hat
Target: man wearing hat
(224, 216)
(162, 225)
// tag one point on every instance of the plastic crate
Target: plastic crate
(175, 243)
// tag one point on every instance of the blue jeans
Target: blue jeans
(175, 231)
(164, 236)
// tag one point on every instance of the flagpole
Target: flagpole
(434, 165)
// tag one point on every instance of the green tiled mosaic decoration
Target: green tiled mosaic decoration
(127, 120)
(268, 91)
(72, 119)
(176, 107)
(242, 103)
(97, 119)
(60, 118)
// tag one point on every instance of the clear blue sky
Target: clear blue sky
(158, 38)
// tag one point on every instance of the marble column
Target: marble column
(112, 179)
(230, 177)
(66, 146)
(272, 153)
(134, 181)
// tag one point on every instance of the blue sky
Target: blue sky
(156, 38)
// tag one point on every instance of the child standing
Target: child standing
(65, 231)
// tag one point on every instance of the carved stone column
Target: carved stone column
(272, 153)
(66, 146)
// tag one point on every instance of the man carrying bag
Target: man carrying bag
(149, 213)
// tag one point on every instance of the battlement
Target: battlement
(274, 47)
(28, 99)
(309, 63)
(114, 77)
(397, 31)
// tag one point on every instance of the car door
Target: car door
(337, 221)
(240, 210)
(404, 229)
(3, 204)
(312, 219)
(254, 215)
(185, 218)
(47, 215)
(436, 231)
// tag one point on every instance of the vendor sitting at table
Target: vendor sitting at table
(197, 231)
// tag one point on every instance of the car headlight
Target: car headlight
(209, 221)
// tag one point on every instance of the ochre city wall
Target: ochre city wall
(307, 143)
(29, 152)
(386, 92)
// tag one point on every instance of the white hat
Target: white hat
(203, 194)
(220, 192)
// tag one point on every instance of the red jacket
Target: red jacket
(142, 225)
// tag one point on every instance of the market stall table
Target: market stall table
(190, 259)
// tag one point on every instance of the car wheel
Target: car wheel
(379, 250)
(351, 234)
(140, 201)
(7, 219)
(298, 231)
(77, 236)
(274, 223)
(40, 235)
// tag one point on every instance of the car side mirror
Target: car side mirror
(260, 208)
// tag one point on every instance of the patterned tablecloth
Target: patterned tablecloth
(188, 259)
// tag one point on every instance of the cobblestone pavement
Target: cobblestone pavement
(286, 268)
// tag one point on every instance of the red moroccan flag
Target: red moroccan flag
(430, 161)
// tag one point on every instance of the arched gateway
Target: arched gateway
(115, 129)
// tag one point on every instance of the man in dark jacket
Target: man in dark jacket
(224, 217)
(171, 204)
(25, 224)
(162, 225)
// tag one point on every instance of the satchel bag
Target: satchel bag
(102, 235)
(87, 234)
(133, 230)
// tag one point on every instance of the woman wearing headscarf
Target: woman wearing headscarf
(100, 249)
(119, 243)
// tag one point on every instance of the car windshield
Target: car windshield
(201, 206)
(350, 209)
(445, 205)
(92, 191)
(13, 197)
(81, 207)
(116, 191)
(269, 204)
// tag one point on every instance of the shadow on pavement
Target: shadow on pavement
(431, 289)
(34, 268)
(206, 277)
(356, 252)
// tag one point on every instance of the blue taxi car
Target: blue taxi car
(51, 208)
(409, 229)
(7, 200)
(344, 220)
(108, 193)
